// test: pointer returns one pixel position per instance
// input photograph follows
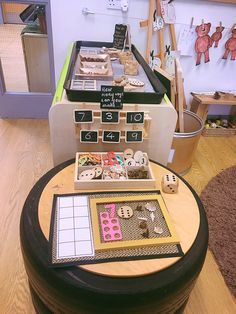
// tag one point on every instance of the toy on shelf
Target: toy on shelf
(89, 159)
(125, 56)
(120, 81)
(217, 35)
(94, 66)
(203, 42)
(170, 183)
(220, 126)
(110, 224)
(137, 158)
(113, 52)
(131, 67)
(230, 46)
(111, 159)
(129, 84)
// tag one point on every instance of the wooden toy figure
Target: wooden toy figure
(203, 42)
(216, 37)
(230, 46)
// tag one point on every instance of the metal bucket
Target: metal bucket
(185, 144)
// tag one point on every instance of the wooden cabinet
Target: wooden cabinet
(35, 47)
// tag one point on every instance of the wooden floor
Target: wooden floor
(26, 155)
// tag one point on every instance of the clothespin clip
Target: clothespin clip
(154, 15)
(191, 24)
(167, 50)
(152, 54)
(232, 28)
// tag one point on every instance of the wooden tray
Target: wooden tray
(98, 68)
(95, 96)
(111, 184)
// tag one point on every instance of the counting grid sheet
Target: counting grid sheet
(73, 228)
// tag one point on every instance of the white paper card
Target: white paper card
(186, 40)
(171, 156)
(74, 229)
(168, 12)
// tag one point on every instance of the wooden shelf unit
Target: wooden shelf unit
(200, 103)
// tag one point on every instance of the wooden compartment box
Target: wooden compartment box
(103, 184)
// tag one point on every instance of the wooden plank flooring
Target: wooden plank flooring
(211, 295)
(26, 155)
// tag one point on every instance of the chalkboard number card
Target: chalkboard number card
(120, 35)
(88, 136)
(111, 117)
(135, 117)
(112, 97)
(83, 116)
(111, 136)
(134, 136)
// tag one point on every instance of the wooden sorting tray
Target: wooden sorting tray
(99, 67)
(112, 183)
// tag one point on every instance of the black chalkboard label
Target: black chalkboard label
(134, 136)
(111, 136)
(112, 97)
(119, 36)
(110, 116)
(82, 116)
(88, 136)
(135, 117)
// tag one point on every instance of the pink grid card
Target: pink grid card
(111, 230)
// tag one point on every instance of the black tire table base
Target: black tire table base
(75, 290)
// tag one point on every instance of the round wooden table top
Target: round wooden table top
(182, 207)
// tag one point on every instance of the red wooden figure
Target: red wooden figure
(203, 42)
(230, 46)
(216, 37)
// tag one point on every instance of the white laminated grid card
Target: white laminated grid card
(74, 232)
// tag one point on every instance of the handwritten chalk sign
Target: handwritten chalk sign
(119, 37)
(111, 136)
(110, 116)
(83, 116)
(135, 117)
(134, 136)
(112, 97)
(88, 136)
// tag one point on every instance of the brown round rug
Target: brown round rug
(219, 200)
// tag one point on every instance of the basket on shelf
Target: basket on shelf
(214, 129)
(218, 132)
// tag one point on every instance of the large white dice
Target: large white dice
(170, 183)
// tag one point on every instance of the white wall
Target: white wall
(69, 24)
